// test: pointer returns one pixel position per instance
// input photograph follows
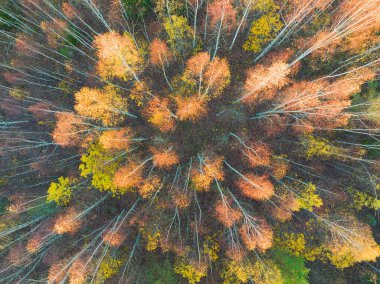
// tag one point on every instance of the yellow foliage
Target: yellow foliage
(352, 243)
(308, 199)
(191, 272)
(152, 241)
(259, 272)
(211, 248)
(319, 147)
(262, 31)
(60, 192)
(237, 272)
(180, 34)
(296, 244)
(108, 268)
(362, 199)
(266, 273)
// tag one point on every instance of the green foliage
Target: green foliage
(263, 31)
(374, 110)
(308, 198)
(293, 269)
(3, 182)
(188, 271)
(370, 220)
(180, 35)
(7, 20)
(4, 202)
(319, 147)
(101, 166)
(136, 8)
(60, 192)
(43, 210)
(368, 101)
(70, 39)
(158, 272)
(318, 23)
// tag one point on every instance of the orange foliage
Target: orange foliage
(258, 154)
(319, 104)
(118, 56)
(67, 222)
(150, 186)
(213, 75)
(221, 12)
(256, 187)
(211, 169)
(78, 272)
(159, 114)
(310, 5)
(364, 13)
(23, 44)
(331, 112)
(181, 199)
(226, 214)
(263, 81)
(279, 168)
(323, 43)
(116, 139)
(140, 93)
(235, 252)
(164, 158)
(68, 130)
(57, 273)
(128, 176)
(302, 127)
(352, 241)
(159, 52)
(299, 9)
(300, 96)
(217, 75)
(258, 235)
(197, 64)
(106, 105)
(347, 86)
(40, 236)
(362, 20)
(191, 108)
(288, 204)
(273, 125)
(68, 10)
(114, 237)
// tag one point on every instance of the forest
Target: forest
(190, 141)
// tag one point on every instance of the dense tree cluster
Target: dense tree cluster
(189, 141)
